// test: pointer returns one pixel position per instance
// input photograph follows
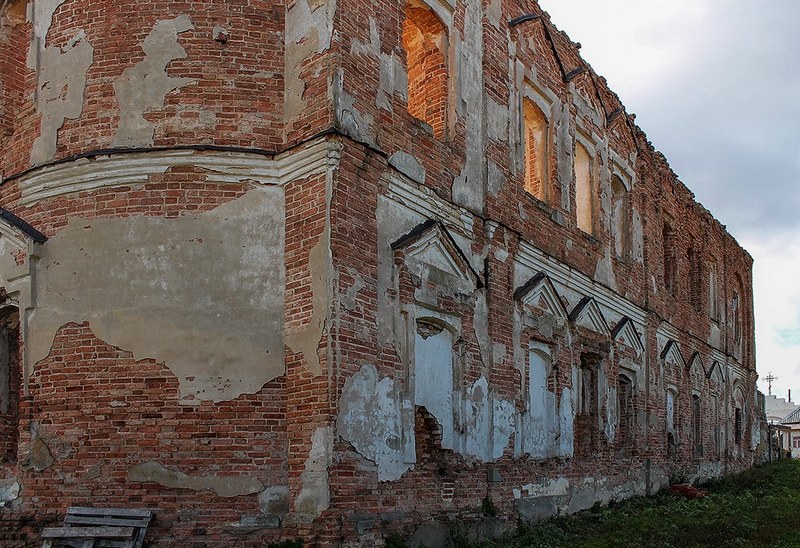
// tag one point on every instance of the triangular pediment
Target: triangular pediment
(696, 361)
(696, 369)
(672, 354)
(539, 292)
(625, 333)
(716, 374)
(587, 314)
(431, 244)
(16, 230)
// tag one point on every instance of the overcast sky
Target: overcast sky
(715, 85)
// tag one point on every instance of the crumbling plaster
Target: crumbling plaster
(474, 422)
(223, 486)
(315, 494)
(145, 86)
(219, 330)
(61, 78)
(309, 31)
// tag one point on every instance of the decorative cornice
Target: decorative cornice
(534, 259)
(424, 201)
(135, 168)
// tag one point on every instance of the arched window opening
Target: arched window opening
(584, 191)
(713, 293)
(587, 384)
(10, 374)
(737, 320)
(626, 411)
(672, 419)
(620, 228)
(670, 260)
(425, 44)
(536, 180)
(697, 426)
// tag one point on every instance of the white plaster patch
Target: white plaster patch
(145, 86)
(224, 486)
(309, 30)
(408, 165)
(219, 329)
(378, 421)
(315, 496)
(61, 83)
(9, 490)
(306, 339)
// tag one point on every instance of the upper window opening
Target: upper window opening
(620, 228)
(670, 261)
(713, 293)
(584, 195)
(736, 313)
(536, 180)
(425, 43)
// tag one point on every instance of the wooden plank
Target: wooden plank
(134, 512)
(102, 520)
(88, 532)
(121, 522)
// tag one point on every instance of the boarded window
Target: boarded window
(425, 43)
(587, 394)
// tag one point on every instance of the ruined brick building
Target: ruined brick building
(335, 268)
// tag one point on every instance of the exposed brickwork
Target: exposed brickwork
(397, 176)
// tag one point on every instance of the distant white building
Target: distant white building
(786, 413)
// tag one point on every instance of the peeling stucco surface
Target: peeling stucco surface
(145, 86)
(354, 123)
(219, 330)
(9, 490)
(551, 496)
(309, 30)
(376, 418)
(468, 187)
(315, 496)
(224, 486)
(306, 339)
(392, 75)
(61, 74)
(408, 165)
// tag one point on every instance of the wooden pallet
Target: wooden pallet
(99, 528)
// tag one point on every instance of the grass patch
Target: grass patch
(759, 507)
